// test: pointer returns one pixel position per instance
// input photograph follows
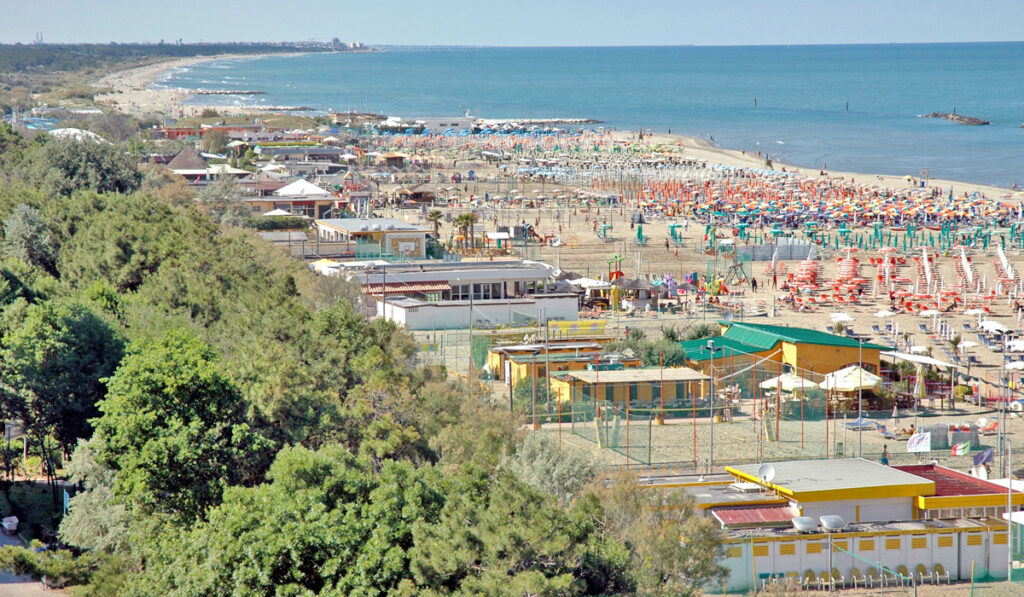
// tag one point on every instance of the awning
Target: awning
(916, 358)
(754, 515)
(406, 287)
(499, 236)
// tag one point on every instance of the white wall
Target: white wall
(879, 510)
(455, 314)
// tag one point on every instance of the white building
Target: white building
(438, 295)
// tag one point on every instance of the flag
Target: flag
(961, 449)
(920, 442)
(984, 456)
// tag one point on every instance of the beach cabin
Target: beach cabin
(848, 519)
(798, 348)
(648, 384)
(390, 236)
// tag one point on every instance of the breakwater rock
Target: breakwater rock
(958, 118)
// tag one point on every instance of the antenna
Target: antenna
(765, 474)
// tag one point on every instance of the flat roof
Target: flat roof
(906, 526)
(552, 345)
(366, 225)
(752, 516)
(645, 374)
(837, 479)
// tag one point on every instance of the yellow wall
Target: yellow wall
(525, 369)
(826, 359)
(570, 388)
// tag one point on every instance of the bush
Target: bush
(961, 392)
(278, 223)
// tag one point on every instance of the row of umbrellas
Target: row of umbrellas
(848, 379)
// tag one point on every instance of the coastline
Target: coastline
(131, 90)
(131, 93)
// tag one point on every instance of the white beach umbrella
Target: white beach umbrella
(918, 349)
(850, 379)
(974, 311)
(841, 317)
(967, 344)
(929, 313)
(1015, 346)
(995, 327)
(885, 313)
(1015, 366)
(788, 382)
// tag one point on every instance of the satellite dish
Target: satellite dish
(766, 472)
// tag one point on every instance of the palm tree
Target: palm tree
(434, 217)
(463, 223)
(955, 343)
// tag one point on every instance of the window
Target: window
(760, 551)
(787, 549)
(945, 541)
(919, 542)
(974, 539)
(867, 545)
(892, 543)
(733, 552)
(813, 548)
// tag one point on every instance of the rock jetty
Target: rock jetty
(958, 118)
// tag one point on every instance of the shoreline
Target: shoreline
(132, 93)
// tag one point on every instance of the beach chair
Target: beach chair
(809, 579)
(889, 577)
(939, 572)
(923, 328)
(921, 572)
(874, 577)
(886, 433)
(904, 574)
(989, 429)
(856, 578)
(837, 579)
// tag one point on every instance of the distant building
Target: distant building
(846, 519)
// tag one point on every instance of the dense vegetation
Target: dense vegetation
(69, 57)
(236, 426)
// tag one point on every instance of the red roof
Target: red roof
(949, 482)
(403, 287)
(753, 515)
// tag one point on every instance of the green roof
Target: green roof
(767, 336)
(744, 338)
(696, 350)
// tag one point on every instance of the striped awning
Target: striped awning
(406, 287)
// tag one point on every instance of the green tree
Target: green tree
(66, 165)
(224, 201)
(561, 473)
(95, 520)
(216, 141)
(173, 427)
(673, 550)
(53, 365)
(329, 523)
(434, 217)
(27, 237)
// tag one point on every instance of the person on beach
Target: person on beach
(885, 454)
(753, 284)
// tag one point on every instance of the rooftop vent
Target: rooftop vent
(832, 522)
(745, 487)
(805, 524)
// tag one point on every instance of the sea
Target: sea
(840, 107)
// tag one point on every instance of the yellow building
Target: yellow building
(846, 519)
(636, 385)
(800, 348)
(498, 357)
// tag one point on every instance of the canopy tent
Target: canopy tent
(278, 212)
(590, 283)
(300, 188)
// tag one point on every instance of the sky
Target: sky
(517, 22)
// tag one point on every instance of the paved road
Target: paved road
(12, 585)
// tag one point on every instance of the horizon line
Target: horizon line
(510, 46)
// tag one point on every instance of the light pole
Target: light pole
(860, 398)
(711, 403)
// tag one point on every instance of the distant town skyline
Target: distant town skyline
(524, 23)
